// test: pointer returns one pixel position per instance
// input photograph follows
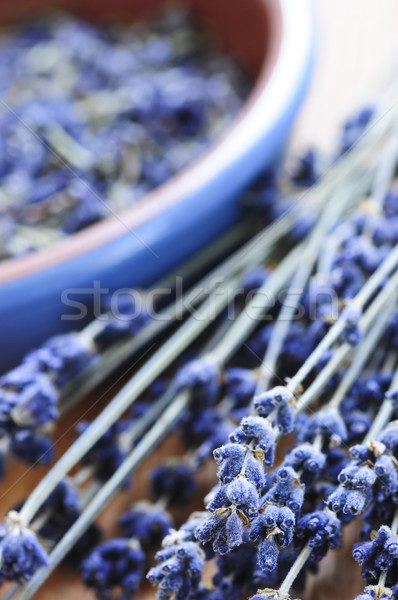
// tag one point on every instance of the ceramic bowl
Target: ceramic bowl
(273, 40)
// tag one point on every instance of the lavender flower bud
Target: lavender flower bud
(20, 551)
(234, 530)
(202, 377)
(65, 355)
(351, 333)
(286, 489)
(28, 397)
(265, 403)
(260, 433)
(179, 571)
(115, 563)
(327, 423)
(268, 554)
(147, 523)
(175, 481)
(321, 531)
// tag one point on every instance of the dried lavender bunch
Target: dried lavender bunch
(146, 523)
(234, 505)
(378, 559)
(243, 496)
(51, 379)
(94, 431)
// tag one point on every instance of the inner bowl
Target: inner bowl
(272, 40)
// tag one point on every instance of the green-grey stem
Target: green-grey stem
(156, 364)
(108, 490)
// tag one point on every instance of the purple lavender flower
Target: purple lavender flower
(147, 523)
(21, 554)
(231, 459)
(30, 446)
(321, 530)
(110, 450)
(286, 489)
(64, 355)
(202, 377)
(232, 507)
(354, 127)
(306, 459)
(179, 571)
(327, 423)
(273, 529)
(379, 554)
(279, 401)
(27, 397)
(305, 171)
(113, 564)
(174, 481)
(259, 433)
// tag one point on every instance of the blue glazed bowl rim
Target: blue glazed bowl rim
(288, 53)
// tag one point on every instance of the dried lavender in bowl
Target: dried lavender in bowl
(93, 118)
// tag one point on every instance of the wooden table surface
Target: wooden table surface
(357, 48)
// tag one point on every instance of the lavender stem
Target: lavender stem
(295, 570)
(360, 359)
(168, 352)
(388, 265)
(383, 416)
(146, 445)
(342, 352)
(339, 202)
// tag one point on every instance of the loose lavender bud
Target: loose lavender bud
(108, 133)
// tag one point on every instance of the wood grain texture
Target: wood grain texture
(356, 50)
